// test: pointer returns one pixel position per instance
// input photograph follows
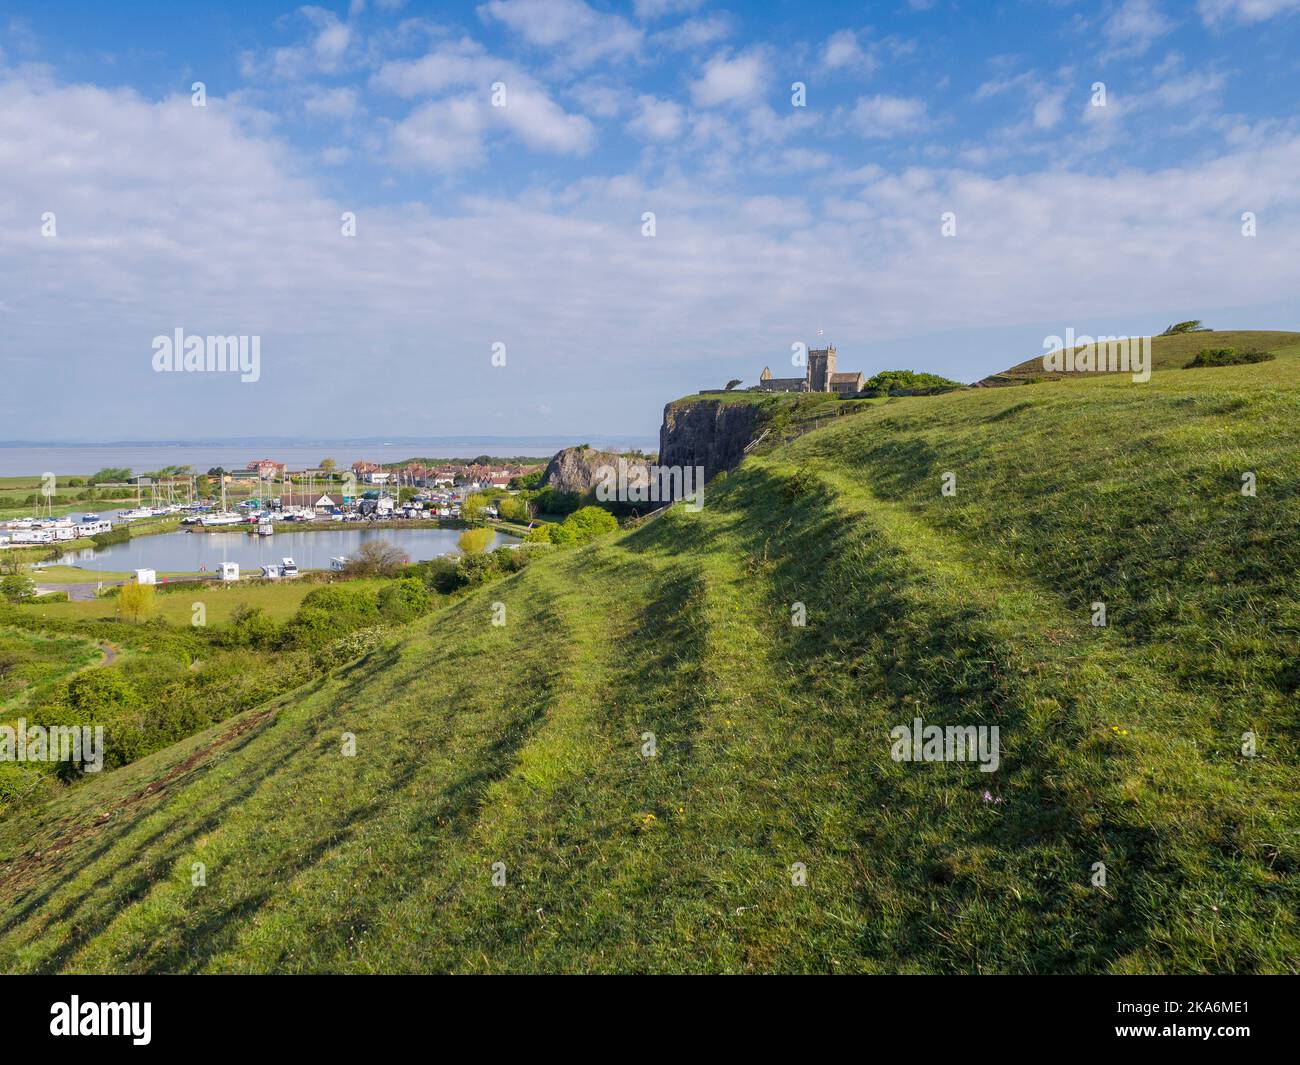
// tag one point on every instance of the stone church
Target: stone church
(820, 376)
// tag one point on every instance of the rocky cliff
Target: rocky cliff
(575, 469)
(712, 433)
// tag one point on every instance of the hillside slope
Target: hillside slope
(1170, 352)
(522, 744)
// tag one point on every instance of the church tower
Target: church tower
(821, 368)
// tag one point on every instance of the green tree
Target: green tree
(112, 473)
(1192, 326)
(475, 541)
(135, 602)
(472, 508)
(512, 508)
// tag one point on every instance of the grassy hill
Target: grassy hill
(1171, 352)
(522, 744)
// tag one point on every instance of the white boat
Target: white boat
(221, 518)
(264, 528)
(288, 567)
(138, 512)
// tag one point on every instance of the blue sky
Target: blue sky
(521, 225)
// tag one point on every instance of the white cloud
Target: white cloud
(694, 33)
(444, 135)
(1049, 110)
(324, 52)
(1247, 11)
(659, 120)
(530, 114)
(339, 103)
(883, 116)
(649, 9)
(242, 244)
(730, 79)
(583, 34)
(1134, 26)
(843, 51)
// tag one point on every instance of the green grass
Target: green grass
(1175, 352)
(53, 575)
(521, 744)
(277, 600)
(31, 661)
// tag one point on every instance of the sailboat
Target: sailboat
(223, 516)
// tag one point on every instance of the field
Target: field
(650, 767)
(277, 600)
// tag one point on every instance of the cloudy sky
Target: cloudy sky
(522, 225)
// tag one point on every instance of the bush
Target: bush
(248, 627)
(119, 535)
(377, 558)
(472, 507)
(403, 600)
(908, 383)
(590, 522)
(352, 646)
(476, 541)
(17, 588)
(549, 501)
(513, 508)
(327, 613)
(1227, 357)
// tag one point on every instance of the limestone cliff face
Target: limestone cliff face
(575, 469)
(706, 432)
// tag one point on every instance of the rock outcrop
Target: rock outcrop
(575, 469)
(712, 433)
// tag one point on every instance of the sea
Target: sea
(78, 460)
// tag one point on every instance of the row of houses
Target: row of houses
(414, 475)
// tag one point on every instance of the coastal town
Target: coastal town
(266, 493)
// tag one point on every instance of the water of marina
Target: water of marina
(191, 551)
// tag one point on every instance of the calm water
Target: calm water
(79, 460)
(186, 552)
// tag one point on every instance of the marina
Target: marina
(185, 552)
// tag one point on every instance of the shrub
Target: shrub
(512, 508)
(908, 382)
(472, 507)
(475, 541)
(550, 501)
(17, 588)
(1227, 357)
(377, 558)
(248, 627)
(590, 522)
(403, 600)
(328, 612)
(353, 645)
